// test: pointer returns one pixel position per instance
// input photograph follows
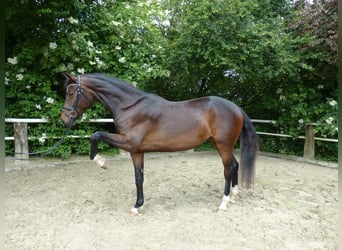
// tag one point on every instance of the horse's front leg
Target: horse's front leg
(115, 140)
(138, 161)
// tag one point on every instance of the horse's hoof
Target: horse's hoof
(225, 201)
(100, 161)
(235, 190)
(223, 207)
(134, 211)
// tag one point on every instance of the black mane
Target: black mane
(99, 78)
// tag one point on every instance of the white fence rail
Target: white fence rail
(21, 137)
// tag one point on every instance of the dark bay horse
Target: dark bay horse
(148, 123)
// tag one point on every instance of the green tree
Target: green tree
(236, 49)
(46, 38)
(313, 98)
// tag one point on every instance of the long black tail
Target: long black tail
(249, 148)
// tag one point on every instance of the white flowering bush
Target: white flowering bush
(116, 38)
(328, 123)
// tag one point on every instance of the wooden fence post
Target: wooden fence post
(21, 140)
(309, 144)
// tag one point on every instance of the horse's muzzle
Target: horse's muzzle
(68, 120)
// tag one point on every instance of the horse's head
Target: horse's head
(78, 98)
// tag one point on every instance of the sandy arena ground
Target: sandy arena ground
(56, 204)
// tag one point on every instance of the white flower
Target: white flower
(81, 71)
(92, 63)
(281, 97)
(38, 106)
(333, 103)
(72, 20)
(19, 77)
(137, 40)
(127, 6)
(53, 45)
(70, 66)
(90, 44)
(42, 138)
(301, 121)
(130, 22)
(84, 117)
(166, 23)
(6, 81)
(122, 59)
(50, 100)
(167, 12)
(168, 73)
(118, 47)
(329, 120)
(99, 62)
(28, 86)
(320, 86)
(115, 23)
(12, 60)
(98, 51)
(149, 70)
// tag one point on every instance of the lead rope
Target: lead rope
(44, 153)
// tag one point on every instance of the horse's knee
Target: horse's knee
(95, 137)
(94, 140)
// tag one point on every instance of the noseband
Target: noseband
(73, 110)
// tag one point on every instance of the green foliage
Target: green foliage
(234, 49)
(46, 38)
(312, 99)
(275, 59)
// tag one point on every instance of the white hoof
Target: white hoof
(235, 190)
(100, 161)
(223, 206)
(134, 211)
(225, 201)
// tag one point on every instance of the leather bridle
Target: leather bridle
(73, 110)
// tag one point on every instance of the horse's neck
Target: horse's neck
(115, 97)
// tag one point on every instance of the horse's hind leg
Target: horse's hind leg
(229, 175)
(234, 172)
(231, 167)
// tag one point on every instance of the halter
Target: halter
(73, 110)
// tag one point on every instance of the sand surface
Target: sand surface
(71, 204)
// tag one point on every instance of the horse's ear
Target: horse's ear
(67, 76)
